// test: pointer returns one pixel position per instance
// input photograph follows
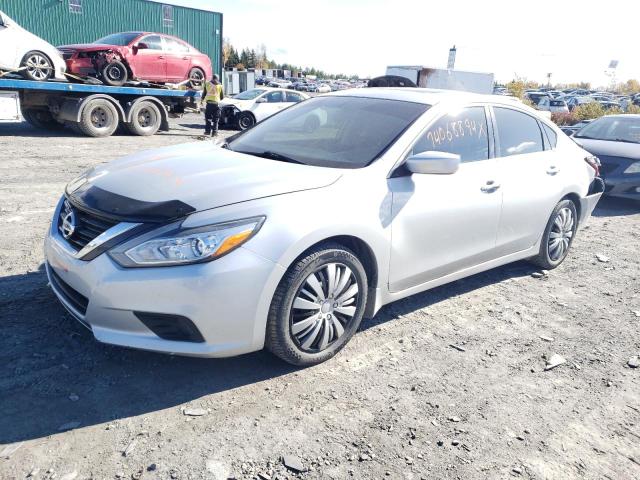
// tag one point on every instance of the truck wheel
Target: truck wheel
(38, 66)
(115, 74)
(99, 118)
(246, 120)
(41, 119)
(145, 119)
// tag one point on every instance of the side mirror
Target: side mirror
(142, 46)
(261, 100)
(439, 163)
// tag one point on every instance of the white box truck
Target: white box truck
(442, 78)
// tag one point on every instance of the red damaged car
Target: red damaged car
(122, 57)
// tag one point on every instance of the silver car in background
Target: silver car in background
(291, 232)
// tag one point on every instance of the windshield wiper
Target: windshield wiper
(273, 156)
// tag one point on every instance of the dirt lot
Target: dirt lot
(398, 402)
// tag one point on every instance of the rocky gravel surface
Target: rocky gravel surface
(512, 373)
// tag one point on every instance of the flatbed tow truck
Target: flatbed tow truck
(93, 110)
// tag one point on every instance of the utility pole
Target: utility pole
(451, 62)
(549, 79)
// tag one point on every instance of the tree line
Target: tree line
(257, 58)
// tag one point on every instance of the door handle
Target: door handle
(552, 170)
(161, 57)
(490, 187)
(185, 58)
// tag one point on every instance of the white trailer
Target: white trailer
(442, 78)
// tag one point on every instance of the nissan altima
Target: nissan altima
(291, 232)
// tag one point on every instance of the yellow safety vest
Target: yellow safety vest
(213, 92)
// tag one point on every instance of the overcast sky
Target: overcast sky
(574, 40)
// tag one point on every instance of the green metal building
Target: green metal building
(62, 22)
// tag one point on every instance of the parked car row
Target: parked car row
(115, 59)
(308, 85)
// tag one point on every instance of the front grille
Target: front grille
(79, 227)
(74, 298)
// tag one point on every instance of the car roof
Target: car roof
(427, 96)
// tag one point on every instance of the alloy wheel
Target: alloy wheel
(38, 66)
(561, 234)
(324, 307)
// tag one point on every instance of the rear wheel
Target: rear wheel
(145, 119)
(196, 75)
(115, 74)
(558, 236)
(318, 306)
(37, 65)
(246, 120)
(99, 118)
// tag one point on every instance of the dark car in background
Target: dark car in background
(120, 57)
(615, 140)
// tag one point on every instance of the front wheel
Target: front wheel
(246, 120)
(558, 236)
(318, 306)
(115, 74)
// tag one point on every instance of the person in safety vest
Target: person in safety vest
(211, 96)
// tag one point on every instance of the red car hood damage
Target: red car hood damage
(92, 47)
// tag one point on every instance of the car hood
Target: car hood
(606, 148)
(200, 175)
(90, 47)
(236, 102)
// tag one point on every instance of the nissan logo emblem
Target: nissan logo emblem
(68, 224)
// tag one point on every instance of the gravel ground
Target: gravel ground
(450, 383)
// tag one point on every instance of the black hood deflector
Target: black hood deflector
(124, 209)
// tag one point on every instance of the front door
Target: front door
(442, 224)
(150, 63)
(273, 102)
(532, 178)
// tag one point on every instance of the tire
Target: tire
(41, 119)
(196, 75)
(302, 339)
(561, 227)
(99, 118)
(39, 67)
(246, 120)
(114, 74)
(145, 119)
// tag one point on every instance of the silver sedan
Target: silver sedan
(291, 232)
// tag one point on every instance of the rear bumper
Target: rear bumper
(589, 202)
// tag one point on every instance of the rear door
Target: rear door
(178, 59)
(150, 63)
(532, 177)
(443, 224)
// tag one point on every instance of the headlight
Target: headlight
(633, 168)
(176, 246)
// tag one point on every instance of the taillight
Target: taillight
(594, 162)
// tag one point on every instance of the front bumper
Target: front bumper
(80, 66)
(623, 186)
(227, 299)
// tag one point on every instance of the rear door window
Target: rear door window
(517, 133)
(463, 133)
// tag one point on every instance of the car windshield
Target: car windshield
(620, 129)
(341, 132)
(119, 39)
(249, 94)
